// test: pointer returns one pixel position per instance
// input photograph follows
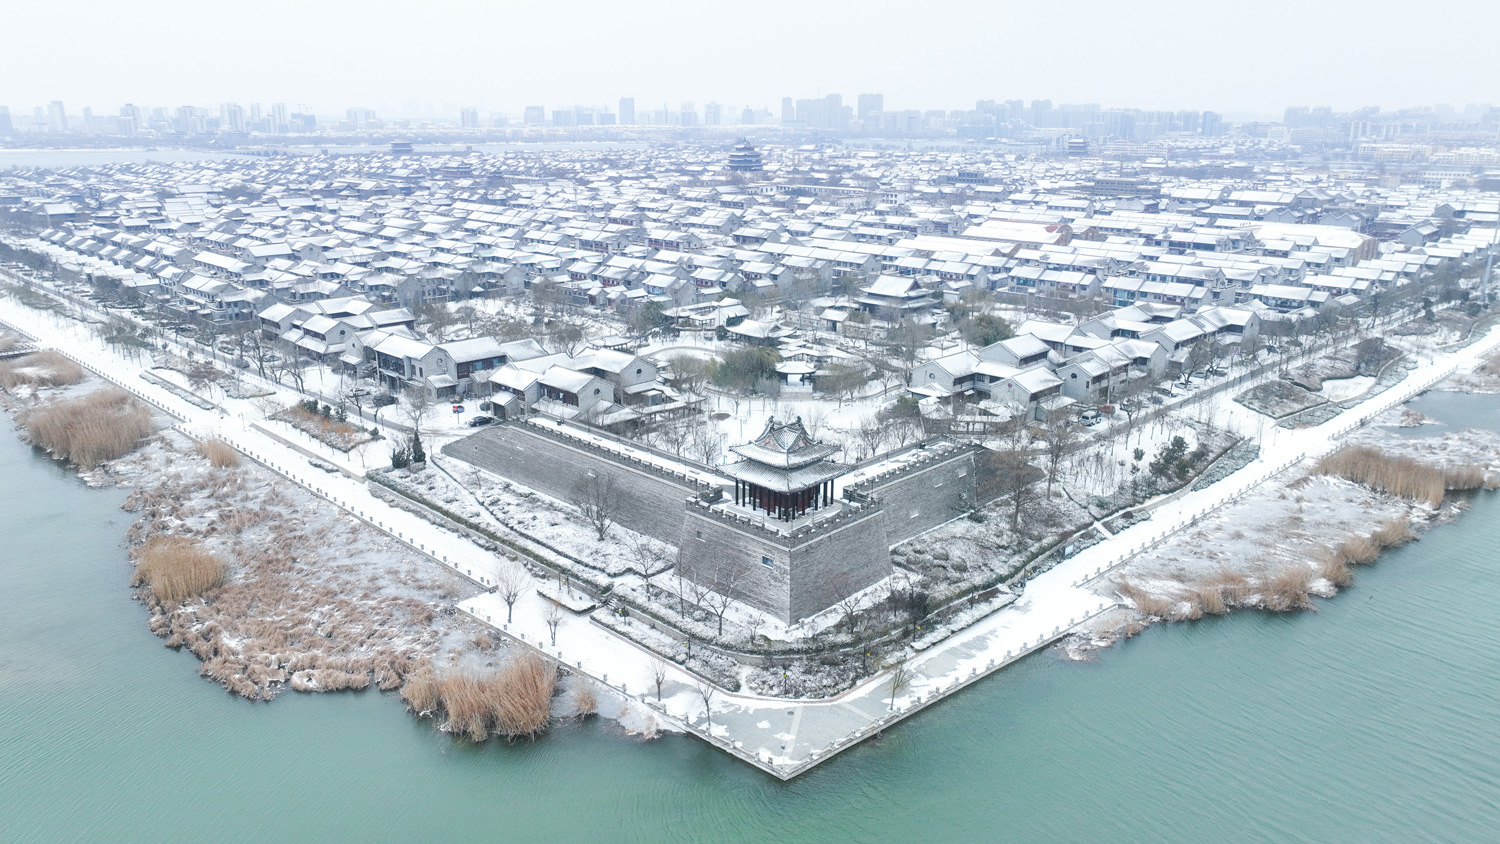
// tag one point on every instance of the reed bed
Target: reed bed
(1463, 477)
(219, 454)
(43, 369)
(514, 701)
(1398, 476)
(101, 426)
(176, 568)
(523, 708)
(422, 692)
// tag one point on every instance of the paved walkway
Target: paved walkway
(783, 737)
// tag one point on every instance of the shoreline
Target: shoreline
(741, 724)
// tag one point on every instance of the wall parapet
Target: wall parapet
(851, 509)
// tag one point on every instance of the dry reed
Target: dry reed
(585, 701)
(176, 569)
(1393, 532)
(1145, 602)
(90, 430)
(1211, 599)
(43, 369)
(523, 705)
(1398, 476)
(219, 453)
(1287, 588)
(1463, 477)
(1333, 567)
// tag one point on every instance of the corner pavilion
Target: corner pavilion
(784, 472)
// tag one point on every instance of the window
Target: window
(768, 562)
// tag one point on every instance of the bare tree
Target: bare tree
(845, 593)
(1008, 476)
(723, 588)
(509, 584)
(290, 364)
(900, 681)
(553, 615)
(705, 444)
(648, 554)
(870, 433)
(436, 320)
(689, 374)
(658, 674)
(1058, 436)
(596, 496)
(416, 405)
(256, 348)
(706, 691)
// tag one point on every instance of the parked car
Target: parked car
(1089, 417)
(480, 421)
(385, 400)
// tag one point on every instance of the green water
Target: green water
(1375, 719)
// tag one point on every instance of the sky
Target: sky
(1240, 58)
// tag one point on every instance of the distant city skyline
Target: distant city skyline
(1153, 54)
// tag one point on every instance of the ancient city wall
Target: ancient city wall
(926, 493)
(650, 500)
(810, 570)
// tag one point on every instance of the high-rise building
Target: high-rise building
(6, 127)
(627, 111)
(563, 117)
(535, 115)
(132, 118)
(468, 118)
(870, 104)
(280, 120)
(232, 117)
(1041, 113)
(788, 110)
(1213, 124)
(57, 118)
(361, 118)
(712, 114)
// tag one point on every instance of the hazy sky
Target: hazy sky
(1237, 57)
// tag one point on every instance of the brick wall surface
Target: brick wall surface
(852, 557)
(709, 548)
(806, 576)
(647, 502)
(926, 496)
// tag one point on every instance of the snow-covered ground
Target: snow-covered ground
(784, 737)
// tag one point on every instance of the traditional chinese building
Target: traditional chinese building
(782, 540)
(785, 473)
